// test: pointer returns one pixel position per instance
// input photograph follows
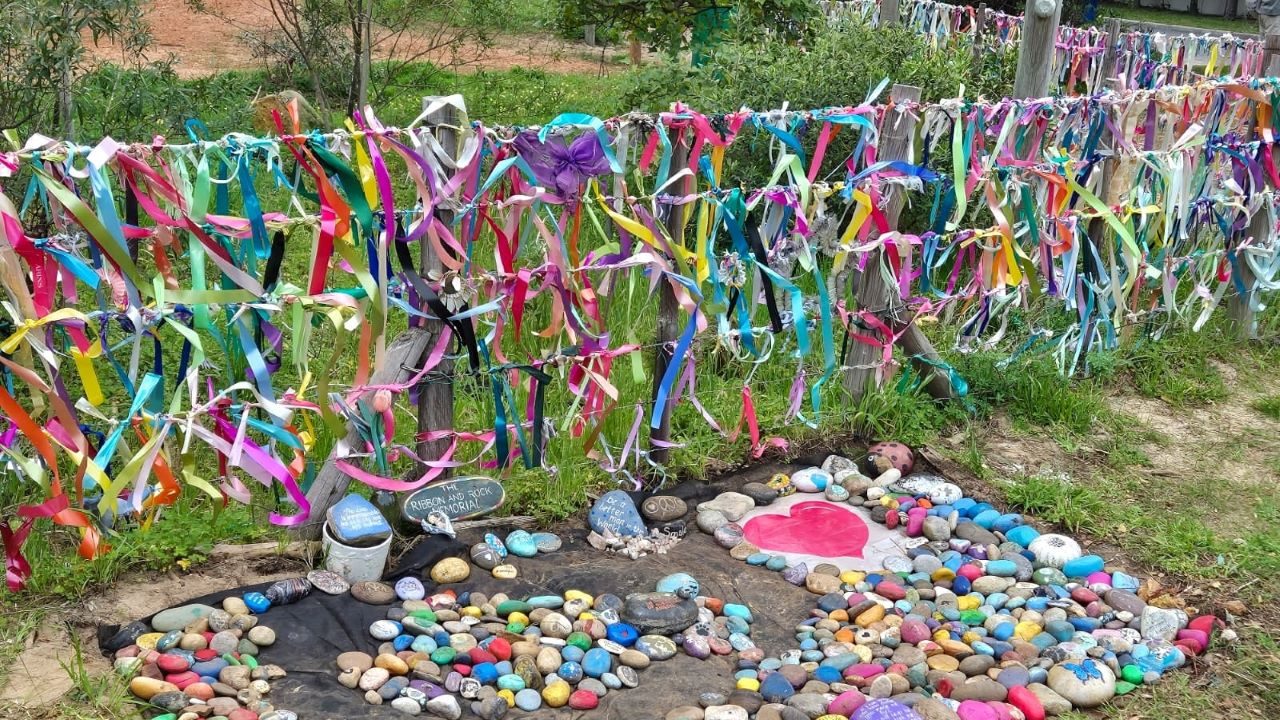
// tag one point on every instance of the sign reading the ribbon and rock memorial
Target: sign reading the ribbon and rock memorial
(460, 499)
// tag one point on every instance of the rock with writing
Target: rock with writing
(354, 521)
(615, 512)
(459, 499)
(659, 613)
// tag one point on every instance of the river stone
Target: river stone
(821, 584)
(980, 688)
(408, 706)
(547, 542)
(1053, 550)
(656, 647)
(728, 535)
(743, 550)
(709, 520)
(410, 588)
(328, 582)
(1160, 624)
(373, 592)
(796, 574)
(725, 712)
(1053, 703)
(732, 505)
(615, 512)
(521, 544)
(450, 570)
(1086, 684)
(760, 493)
(125, 636)
(934, 487)
(663, 508)
(1123, 600)
(936, 528)
(484, 556)
(179, 617)
(659, 613)
(975, 533)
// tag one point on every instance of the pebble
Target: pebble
(410, 588)
(521, 544)
(505, 572)
(732, 505)
(179, 617)
(450, 570)
(663, 508)
(484, 556)
(373, 592)
(547, 542)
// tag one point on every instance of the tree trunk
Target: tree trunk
(635, 51)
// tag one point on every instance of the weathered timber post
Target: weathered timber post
(888, 13)
(872, 293)
(1109, 55)
(979, 36)
(1240, 306)
(1097, 228)
(668, 308)
(1036, 51)
(435, 396)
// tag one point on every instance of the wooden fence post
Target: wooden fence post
(668, 307)
(888, 13)
(1110, 54)
(1240, 306)
(872, 293)
(1036, 52)
(979, 36)
(435, 397)
(1097, 228)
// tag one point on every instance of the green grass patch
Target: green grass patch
(1269, 406)
(1173, 17)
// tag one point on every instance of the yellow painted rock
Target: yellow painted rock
(578, 595)
(955, 648)
(750, 684)
(852, 577)
(148, 641)
(391, 664)
(450, 570)
(505, 572)
(942, 574)
(968, 602)
(518, 617)
(1026, 630)
(147, 688)
(873, 614)
(472, 611)
(556, 694)
(945, 663)
(508, 696)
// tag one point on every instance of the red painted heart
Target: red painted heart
(812, 528)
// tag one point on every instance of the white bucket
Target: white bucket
(355, 564)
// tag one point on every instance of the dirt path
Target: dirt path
(204, 44)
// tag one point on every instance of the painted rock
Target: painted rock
(883, 709)
(494, 542)
(656, 647)
(732, 505)
(885, 455)
(728, 535)
(1053, 550)
(663, 508)
(505, 572)
(616, 513)
(410, 588)
(328, 582)
(934, 487)
(682, 584)
(547, 542)
(373, 592)
(781, 484)
(179, 617)
(484, 556)
(1086, 684)
(521, 544)
(450, 570)
(811, 480)
(1160, 624)
(355, 521)
(659, 613)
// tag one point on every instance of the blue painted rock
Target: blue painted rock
(257, 602)
(811, 480)
(495, 544)
(682, 584)
(623, 634)
(776, 688)
(656, 647)
(546, 542)
(597, 662)
(521, 544)
(616, 513)
(354, 521)
(1086, 684)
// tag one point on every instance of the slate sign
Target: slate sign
(460, 499)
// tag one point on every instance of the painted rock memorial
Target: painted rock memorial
(923, 604)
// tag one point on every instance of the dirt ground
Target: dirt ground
(204, 44)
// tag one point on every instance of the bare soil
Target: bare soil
(203, 44)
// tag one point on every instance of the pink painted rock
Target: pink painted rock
(976, 710)
(583, 700)
(846, 703)
(884, 455)
(915, 521)
(863, 670)
(1026, 702)
(892, 591)
(969, 572)
(914, 631)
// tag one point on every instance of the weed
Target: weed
(1269, 406)
(92, 695)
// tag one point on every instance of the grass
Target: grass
(1171, 17)
(1268, 406)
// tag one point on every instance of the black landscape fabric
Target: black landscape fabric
(312, 632)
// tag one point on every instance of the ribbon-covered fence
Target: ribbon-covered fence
(194, 315)
(1143, 60)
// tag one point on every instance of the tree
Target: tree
(664, 25)
(329, 47)
(42, 53)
